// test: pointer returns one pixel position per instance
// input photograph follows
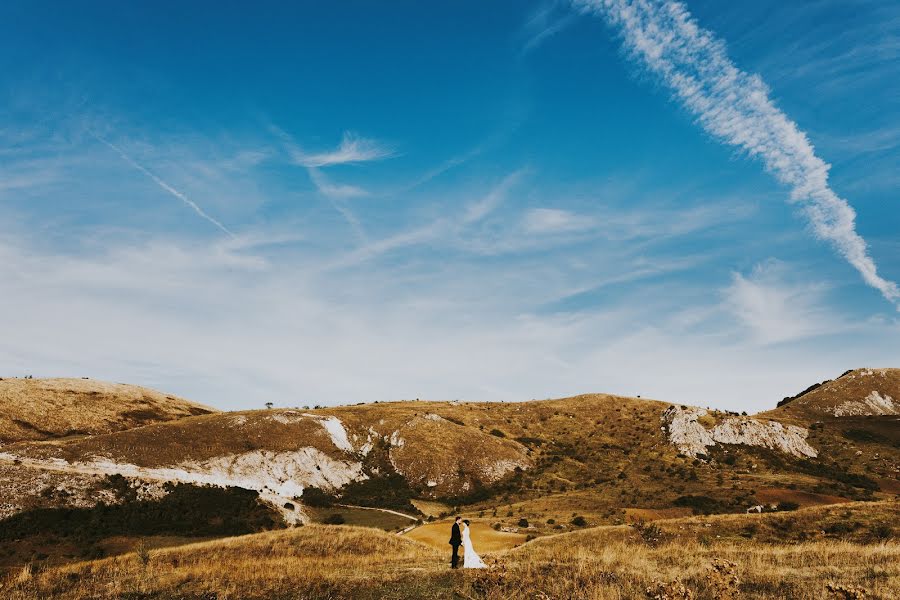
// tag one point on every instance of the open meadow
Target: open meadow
(769, 556)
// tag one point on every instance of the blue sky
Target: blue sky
(353, 201)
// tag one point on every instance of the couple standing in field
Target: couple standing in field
(458, 538)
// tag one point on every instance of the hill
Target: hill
(817, 553)
(858, 392)
(42, 409)
(534, 468)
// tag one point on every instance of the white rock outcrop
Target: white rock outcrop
(873, 404)
(692, 438)
(279, 477)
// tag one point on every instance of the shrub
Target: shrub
(143, 553)
(186, 510)
(699, 504)
(650, 533)
(523, 522)
(317, 498)
(786, 506)
(579, 521)
(498, 433)
(335, 519)
(530, 441)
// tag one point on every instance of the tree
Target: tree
(269, 405)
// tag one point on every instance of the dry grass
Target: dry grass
(854, 385)
(353, 565)
(361, 517)
(583, 565)
(484, 538)
(430, 508)
(40, 409)
(314, 562)
(308, 562)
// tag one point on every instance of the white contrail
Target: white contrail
(162, 183)
(735, 107)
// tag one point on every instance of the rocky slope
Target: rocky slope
(859, 392)
(693, 438)
(42, 409)
(279, 453)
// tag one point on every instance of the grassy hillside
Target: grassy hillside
(857, 392)
(529, 469)
(596, 456)
(43, 409)
(698, 558)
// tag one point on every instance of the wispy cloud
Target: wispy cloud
(478, 210)
(352, 149)
(554, 220)
(548, 20)
(193, 205)
(334, 190)
(439, 229)
(735, 107)
(775, 308)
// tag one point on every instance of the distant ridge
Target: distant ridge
(856, 393)
(43, 409)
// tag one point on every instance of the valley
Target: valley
(820, 470)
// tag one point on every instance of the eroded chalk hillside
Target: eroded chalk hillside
(856, 393)
(278, 453)
(42, 409)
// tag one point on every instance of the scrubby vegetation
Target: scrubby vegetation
(383, 487)
(185, 511)
(696, 558)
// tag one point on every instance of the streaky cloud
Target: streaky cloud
(547, 21)
(353, 149)
(478, 210)
(193, 205)
(334, 190)
(735, 107)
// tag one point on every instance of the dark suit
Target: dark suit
(456, 542)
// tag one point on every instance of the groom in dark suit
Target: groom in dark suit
(455, 541)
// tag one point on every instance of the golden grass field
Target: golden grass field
(697, 558)
(361, 517)
(437, 535)
(40, 409)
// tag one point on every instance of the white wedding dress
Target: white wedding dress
(471, 560)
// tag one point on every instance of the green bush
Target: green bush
(317, 498)
(335, 519)
(186, 510)
(700, 504)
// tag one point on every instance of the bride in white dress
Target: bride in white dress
(471, 560)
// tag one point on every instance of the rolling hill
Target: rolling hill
(43, 409)
(538, 468)
(817, 553)
(858, 392)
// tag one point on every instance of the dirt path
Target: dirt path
(384, 510)
(389, 511)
